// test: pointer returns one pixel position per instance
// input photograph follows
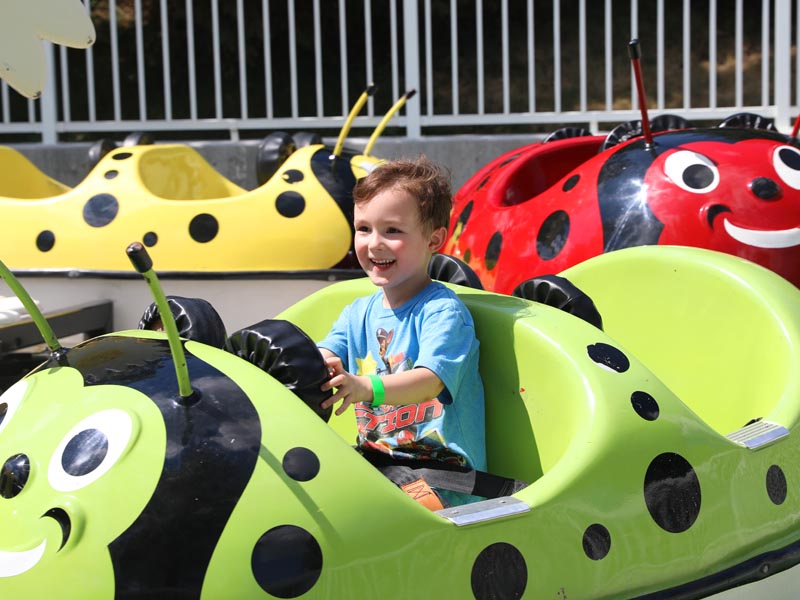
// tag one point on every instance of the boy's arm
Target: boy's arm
(326, 354)
(406, 387)
(410, 387)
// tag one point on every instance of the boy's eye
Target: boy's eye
(393, 230)
(363, 229)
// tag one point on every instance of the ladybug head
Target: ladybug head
(726, 189)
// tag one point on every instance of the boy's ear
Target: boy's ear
(437, 240)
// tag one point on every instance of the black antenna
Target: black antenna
(362, 99)
(389, 114)
(635, 53)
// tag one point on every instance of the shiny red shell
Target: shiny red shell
(546, 207)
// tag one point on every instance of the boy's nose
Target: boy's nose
(376, 240)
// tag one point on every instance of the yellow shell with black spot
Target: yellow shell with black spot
(191, 218)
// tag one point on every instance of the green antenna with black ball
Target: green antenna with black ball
(144, 264)
(41, 323)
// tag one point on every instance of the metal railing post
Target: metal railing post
(47, 102)
(773, 90)
(782, 52)
(411, 56)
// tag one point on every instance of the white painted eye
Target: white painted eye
(692, 172)
(90, 449)
(10, 401)
(786, 161)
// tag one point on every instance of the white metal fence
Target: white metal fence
(240, 67)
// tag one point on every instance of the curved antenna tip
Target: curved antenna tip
(633, 49)
(139, 257)
(411, 93)
(371, 89)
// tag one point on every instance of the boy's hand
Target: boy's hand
(349, 388)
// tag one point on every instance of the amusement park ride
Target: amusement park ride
(548, 206)
(658, 441)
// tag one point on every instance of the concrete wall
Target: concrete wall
(462, 154)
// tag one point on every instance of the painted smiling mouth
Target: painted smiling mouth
(776, 238)
(759, 238)
(16, 563)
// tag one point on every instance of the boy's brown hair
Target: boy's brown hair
(421, 179)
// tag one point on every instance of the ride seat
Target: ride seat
(721, 332)
(537, 401)
(179, 172)
(20, 178)
(541, 167)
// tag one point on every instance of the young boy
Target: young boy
(407, 356)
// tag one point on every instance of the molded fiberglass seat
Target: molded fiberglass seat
(540, 401)
(21, 179)
(720, 331)
(707, 340)
(179, 172)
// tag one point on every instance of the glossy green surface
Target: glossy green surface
(555, 417)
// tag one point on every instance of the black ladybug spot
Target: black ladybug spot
(14, 475)
(461, 222)
(464, 216)
(3, 411)
(499, 572)
(508, 160)
(100, 210)
(286, 561)
(110, 174)
(790, 159)
(553, 234)
(776, 484)
(292, 176)
(698, 177)
(596, 541)
(290, 204)
(45, 241)
(150, 239)
(672, 492)
(483, 182)
(571, 183)
(203, 228)
(85, 452)
(467, 255)
(301, 464)
(609, 357)
(645, 405)
(493, 250)
(121, 155)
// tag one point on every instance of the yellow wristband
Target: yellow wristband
(378, 391)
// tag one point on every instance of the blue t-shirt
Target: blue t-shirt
(434, 330)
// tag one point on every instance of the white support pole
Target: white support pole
(782, 60)
(411, 58)
(48, 98)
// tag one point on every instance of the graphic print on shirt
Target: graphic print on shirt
(403, 431)
(394, 363)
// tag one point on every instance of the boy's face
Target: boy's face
(392, 246)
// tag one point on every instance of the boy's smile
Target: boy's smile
(382, 264)
(393, 246)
